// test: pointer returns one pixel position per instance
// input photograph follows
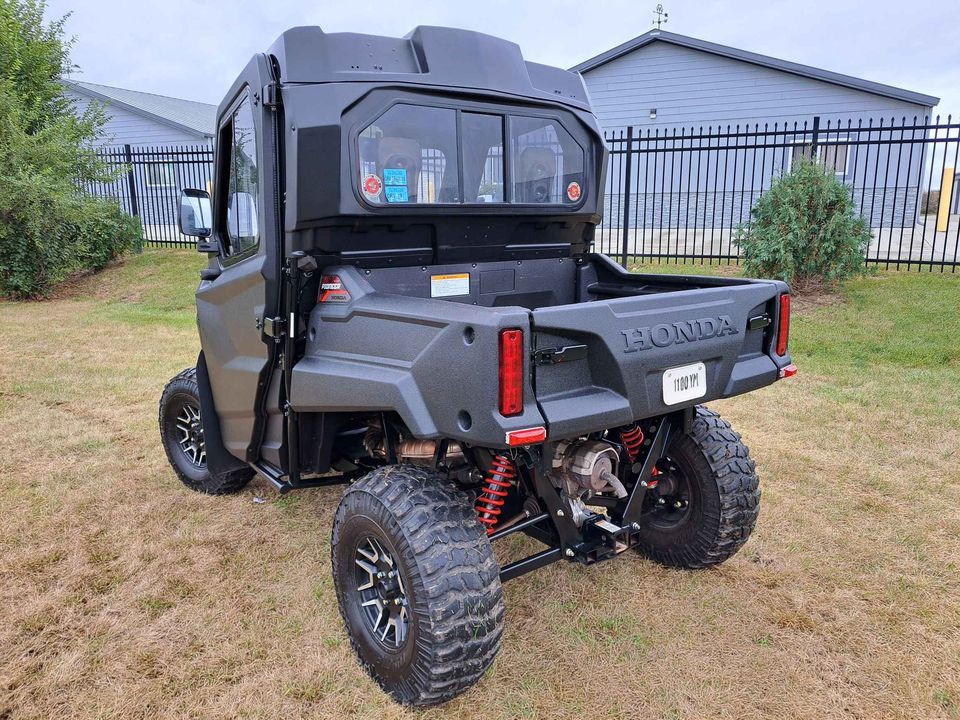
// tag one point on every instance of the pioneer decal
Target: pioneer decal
(677, 333)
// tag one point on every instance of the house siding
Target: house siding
(693, 88)
(124, 127)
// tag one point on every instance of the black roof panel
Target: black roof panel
(428, 55)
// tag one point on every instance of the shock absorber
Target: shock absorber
(497, 483)
(632, 438)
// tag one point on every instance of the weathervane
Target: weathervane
(661, 16)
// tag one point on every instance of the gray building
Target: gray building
(665, 80)
(662, 84)
(139, 118)
(162, 144)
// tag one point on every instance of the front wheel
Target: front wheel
(706, 500)
(181, 432)
(417, 584)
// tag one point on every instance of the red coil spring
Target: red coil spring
(632, 439)
(490, 502)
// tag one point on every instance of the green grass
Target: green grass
(125, 593)
(155, 288)
(896, 320)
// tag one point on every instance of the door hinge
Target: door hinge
(552, 356)
(272, 327)
(271, 95)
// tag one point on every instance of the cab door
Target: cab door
(240, 286)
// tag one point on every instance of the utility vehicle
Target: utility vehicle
(402, 298)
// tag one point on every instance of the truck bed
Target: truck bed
(597, 343)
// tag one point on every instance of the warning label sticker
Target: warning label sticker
(449, 285)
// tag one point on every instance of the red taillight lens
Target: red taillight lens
(511, 372)
(527, 436)
(783, 327)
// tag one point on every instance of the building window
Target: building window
(161, 175)
(833, 153)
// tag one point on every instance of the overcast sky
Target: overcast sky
(195, 48)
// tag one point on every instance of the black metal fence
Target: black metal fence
(149, 183)
(680, 195)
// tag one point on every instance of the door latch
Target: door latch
(552, 356)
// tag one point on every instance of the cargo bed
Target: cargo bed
(597, 342)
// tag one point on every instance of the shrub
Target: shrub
(48, 229)
(930, 204)
(805, 230)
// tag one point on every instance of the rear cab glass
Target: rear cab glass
(424, 155)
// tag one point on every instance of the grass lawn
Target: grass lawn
(125, 595)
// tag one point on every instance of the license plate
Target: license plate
(683, 383)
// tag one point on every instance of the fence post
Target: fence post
(815, 140)
(625, 222)
(131, 183)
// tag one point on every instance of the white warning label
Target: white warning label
(449, 285)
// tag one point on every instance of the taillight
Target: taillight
(511, 372)
(783, 327)
(527, 436)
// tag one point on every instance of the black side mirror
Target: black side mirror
(196, 218)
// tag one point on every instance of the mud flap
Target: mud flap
(219, 459)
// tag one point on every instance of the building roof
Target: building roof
(194, 117)
(756, 59)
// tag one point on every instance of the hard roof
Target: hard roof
(433, 56)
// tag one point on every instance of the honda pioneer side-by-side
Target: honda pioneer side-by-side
(402, 298)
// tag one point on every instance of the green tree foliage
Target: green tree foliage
(48, 228)
(805, 230)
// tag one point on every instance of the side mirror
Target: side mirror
(196, 217)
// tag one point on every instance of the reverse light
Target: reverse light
(527, 436)
(783, 327)
(511, 372)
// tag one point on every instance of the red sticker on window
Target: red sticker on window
(573, 191)
(372, 185)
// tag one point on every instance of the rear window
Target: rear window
(423, 155)
(547, 162)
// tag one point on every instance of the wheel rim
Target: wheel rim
(190, 434)
(670, 503)
(382, 594)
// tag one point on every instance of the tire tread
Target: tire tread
(457, 571)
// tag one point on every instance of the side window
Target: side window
(242, 191)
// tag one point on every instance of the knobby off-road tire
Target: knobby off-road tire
(179, 409)
(410, 519)
(722, 497)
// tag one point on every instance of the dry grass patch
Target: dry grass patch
(124, 595)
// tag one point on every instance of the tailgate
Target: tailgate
(609, 356)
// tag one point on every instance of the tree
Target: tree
(805, 230)
(48, 228)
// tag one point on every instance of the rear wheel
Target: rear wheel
(707, 497)
(181, 431)
(417, 584)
